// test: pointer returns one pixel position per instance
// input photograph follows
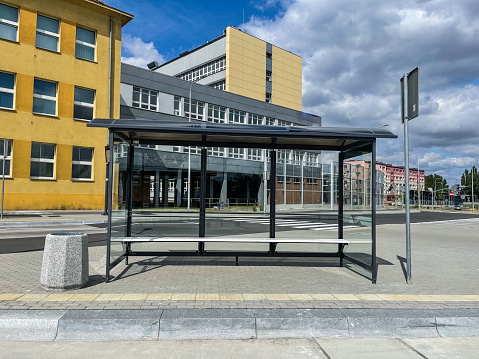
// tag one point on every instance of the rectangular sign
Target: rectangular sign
(413, 95)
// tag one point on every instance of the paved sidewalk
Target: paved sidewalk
(444, 263)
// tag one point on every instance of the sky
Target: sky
(354, 55)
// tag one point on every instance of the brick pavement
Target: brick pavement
(444, 263)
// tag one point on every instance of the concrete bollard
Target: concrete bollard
(65, 261)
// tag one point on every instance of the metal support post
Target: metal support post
(272, 200)
(406, 170)
(373, 212)
(5, 148)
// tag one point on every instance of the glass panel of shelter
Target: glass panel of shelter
(237, 201)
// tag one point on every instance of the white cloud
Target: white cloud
(354, 53)
(142, 53)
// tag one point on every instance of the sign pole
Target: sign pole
(406, 175)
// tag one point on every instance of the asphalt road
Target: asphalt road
(25, 239)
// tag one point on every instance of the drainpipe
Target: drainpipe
(105, 210)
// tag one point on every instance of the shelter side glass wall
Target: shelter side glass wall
(119, 213)
(357, 210)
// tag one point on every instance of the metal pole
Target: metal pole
(406, 170)
(284, 183)
(351, 183)
(3, 172)
(472, 186)
(265, 181)
(418, 188)
(331, 184)
(189, 159)
(302, 185)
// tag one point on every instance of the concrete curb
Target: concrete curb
(108, 325)
(51, 223)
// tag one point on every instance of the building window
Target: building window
(270, 121)
(268, 75)
(145, 99)
(82, 163)
(44, 97)
(216, 114)
(8, 22)
(268, 97)
(177, 105)
(236, 153)
(205, 70)
(7, 89)
(5, 156)
(255, 154)
(47, 33)
(269, 55)
(216, 151)
(197, 109)
(221, 85)
(85, 44)
(255, 119)
(237, 116)
(84, 103)
(42, 160)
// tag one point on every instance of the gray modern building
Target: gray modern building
(170, 175)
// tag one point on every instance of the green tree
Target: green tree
(437, 183)
(466, 181)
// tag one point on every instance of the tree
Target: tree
(437, 183)
(466, 181)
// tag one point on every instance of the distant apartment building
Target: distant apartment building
(242, 64)
(393, 183)
(59, 68)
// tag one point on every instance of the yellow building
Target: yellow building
(243, 64)
(59, 68)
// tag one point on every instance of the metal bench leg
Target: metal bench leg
(236, 260)
(341, 254)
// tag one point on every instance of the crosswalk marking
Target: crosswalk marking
(297, 224)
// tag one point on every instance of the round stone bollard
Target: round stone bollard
(65, 261)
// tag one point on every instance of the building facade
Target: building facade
(59, 68)
(236, 176)
(245, 65)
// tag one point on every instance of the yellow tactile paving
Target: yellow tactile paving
(183, 296)
(277, 296)
(254, 296)
(57, 297)
(231, 296)
(368, 297)
(207, 296)
(109, 297)
(9, 296)
(300, 297)
(60, 297)
(159, 296)
(135, 296)
(323, 297)
(346, 297)
(32, 297)
(400, 297)
(83, 297)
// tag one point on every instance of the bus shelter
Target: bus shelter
(140, 148)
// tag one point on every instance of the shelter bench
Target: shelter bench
(202, 240)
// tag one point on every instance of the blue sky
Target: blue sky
(354, 53)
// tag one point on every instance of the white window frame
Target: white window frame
(195, 104)
(93, 46)
(149, 93)
(235, 116)
(7, 90)
(47, 160)
(48, 33)
(254, 119)
(83, 163)
(11, 23)
(46, 97)
(84, 104)
(7, 157)
(255, 154)
(220, 110)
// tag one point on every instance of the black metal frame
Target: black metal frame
(360, 142)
